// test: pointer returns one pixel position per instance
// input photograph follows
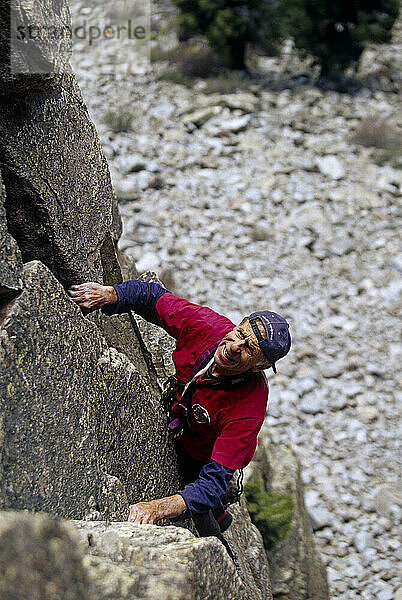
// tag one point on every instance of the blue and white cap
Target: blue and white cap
(278, 340)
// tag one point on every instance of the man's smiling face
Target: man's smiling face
(239, 351)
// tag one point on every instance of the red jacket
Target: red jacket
(222, 424)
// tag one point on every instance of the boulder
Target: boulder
(244, 101)
(10, 256)
(297, 571)
(228, 126)
(59, 198)
(201, 116)
(40, 559)
(35, 44)
(75, 413)
(150, 561)
(330, 166)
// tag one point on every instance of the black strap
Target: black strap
(240, 486)
(219, 383)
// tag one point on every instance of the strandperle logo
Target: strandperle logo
(43, 41)
(85, 31)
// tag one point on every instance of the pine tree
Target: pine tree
(230, 25)
(335, 32)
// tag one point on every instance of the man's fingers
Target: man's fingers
(132, 514)
(141, 514)
(74, 293)
(77, 287)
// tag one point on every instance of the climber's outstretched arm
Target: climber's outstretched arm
(139, 296)
(152, 302)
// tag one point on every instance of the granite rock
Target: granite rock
(40, 558)
(296, 568)
(32, 58)
(10, 256)
(146, 561)
(159, 344)
(46, 558)
(250, 557)
(59, 196)
(74, 411)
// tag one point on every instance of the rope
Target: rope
(240, 486)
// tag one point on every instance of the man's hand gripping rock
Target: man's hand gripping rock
(155, 510)
(90, 296)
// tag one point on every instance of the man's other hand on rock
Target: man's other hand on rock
(91, 296)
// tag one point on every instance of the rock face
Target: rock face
(250, 558)
(296, 569)
(157, 342)
(73, 410)
(59, 197)
(30, 59)
(10, 256)
(39, 559)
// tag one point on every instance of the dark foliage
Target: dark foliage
(231, 25)
(269, 511)
(335, 33)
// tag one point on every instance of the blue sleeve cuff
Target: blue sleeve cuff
(139, 296)
(207, 490)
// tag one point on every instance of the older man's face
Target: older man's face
(239, 351)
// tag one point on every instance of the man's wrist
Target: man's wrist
(170, 507)
(111, 295)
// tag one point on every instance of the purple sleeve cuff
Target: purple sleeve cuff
(113, 309)
(139, 296)
(207, 490)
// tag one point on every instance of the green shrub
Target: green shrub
(391, 154)
(175, 77)
(270, 512)
(335, 33)
(119, 120)
(191, 59)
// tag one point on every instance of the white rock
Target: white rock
(331, 166)
(385, 593)
(320, 518)
(306, 216)
(362, 541)
(289, 396)
(148, 262)
(232, 125)
(132, 163)
(368, 414)
(385, 498)
(201, 116)
(311, 405)
(398, 594)
(311, 498)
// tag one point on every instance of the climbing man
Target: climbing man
(219, 392)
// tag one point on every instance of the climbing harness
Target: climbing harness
(176, 425)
